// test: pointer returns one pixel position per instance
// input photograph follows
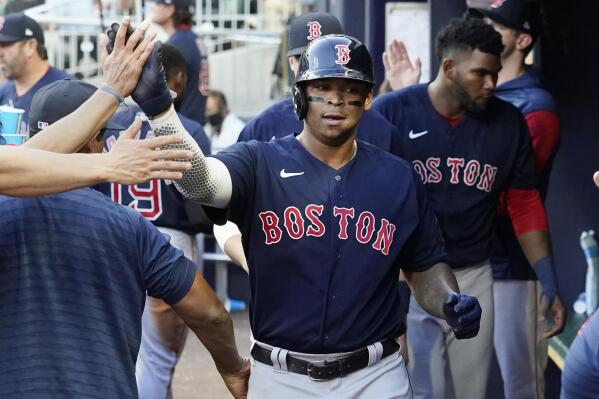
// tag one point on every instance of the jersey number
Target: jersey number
(146, 198)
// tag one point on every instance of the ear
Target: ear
(30, 47)
(368, 101)
(448, 67)
(523, 41)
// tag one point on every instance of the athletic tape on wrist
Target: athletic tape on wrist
(109, 90)
(545, 270)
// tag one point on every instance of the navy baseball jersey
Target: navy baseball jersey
(74, 271)
(538, 107)
(158, 200)
(464, 166)
(193, 104)
(324, 246)
(8, 93)
(280, 120)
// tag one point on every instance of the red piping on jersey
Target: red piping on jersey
(526, 210)
(184, 27)
(451, 121)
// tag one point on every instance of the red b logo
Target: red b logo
(342, 54)
(314, 30)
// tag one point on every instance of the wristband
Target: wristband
(545, 270)
(109, 90)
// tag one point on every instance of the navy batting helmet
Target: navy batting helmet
(332, 56)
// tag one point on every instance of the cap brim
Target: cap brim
(496, 17)
(4, 38)
(296, 51)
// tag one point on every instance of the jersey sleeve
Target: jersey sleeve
(167, 273)
(239, 160)
(200, 136)
(388, 106)
(426, 246)
(523, 175)
(544, 131)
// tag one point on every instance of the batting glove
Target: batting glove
(151, 93)
(462, 313)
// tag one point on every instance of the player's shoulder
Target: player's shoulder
(405, 95)
(384, 159)
(499, 109)
(376, 120)
(6, 88)
(278, 120)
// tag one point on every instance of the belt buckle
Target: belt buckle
(326, 364)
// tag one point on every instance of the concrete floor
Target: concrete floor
(196, 376)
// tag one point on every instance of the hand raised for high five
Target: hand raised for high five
(123, 66)
(151, 92)
(399, 69)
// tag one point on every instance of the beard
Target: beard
(467, 102)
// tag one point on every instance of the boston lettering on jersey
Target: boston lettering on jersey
(325, 246)
(471, 173)
(465, 166)
(297, 227)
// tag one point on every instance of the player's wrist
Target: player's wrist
(545, 270)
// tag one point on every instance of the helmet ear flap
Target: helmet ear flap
(300, 102)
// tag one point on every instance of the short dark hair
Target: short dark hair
(218, 95)
(468, 34)
(182, 16)
(173, 60)
(41, 51)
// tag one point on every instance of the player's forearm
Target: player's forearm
(208, 319)
(535, 245)
(432, 286)
(228, 237)
(70, 133)
(26, 172)
(209, 181)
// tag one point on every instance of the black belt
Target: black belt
(329, 369)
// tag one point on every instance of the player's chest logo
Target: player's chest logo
(297, 223)
(471, 173)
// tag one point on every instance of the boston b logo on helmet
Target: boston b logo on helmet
(332, 56)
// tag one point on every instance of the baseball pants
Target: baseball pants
(385, 378)
(163, 336)
(441, 366)
(520, 347)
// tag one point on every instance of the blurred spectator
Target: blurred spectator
(24, 62)
(13, 6)
(175, 17)
(223, 126)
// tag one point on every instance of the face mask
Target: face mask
(215, 119)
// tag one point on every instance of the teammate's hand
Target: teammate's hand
(558, 313)
(123, 65)
(133, 161)
(399, 69)
(151, 92)
(238, 383)
(462, 313)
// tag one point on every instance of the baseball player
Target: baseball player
(74, 271)
(521, 332)
(468, 147)
(327, 221)
(280, 120)
(24, 62)
(163, 332)
(580, 376)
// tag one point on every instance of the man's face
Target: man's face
(509, 37)
(474, 79)
(215, 112)
(161, 13)
(335, 108)
(177, 82)
(12, 59)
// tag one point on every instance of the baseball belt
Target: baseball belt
(328, 369)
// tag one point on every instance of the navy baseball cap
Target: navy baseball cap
(57, 100)
(18, 26)
(516, 14)
(308, 27)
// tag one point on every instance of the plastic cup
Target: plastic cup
(11, 120)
